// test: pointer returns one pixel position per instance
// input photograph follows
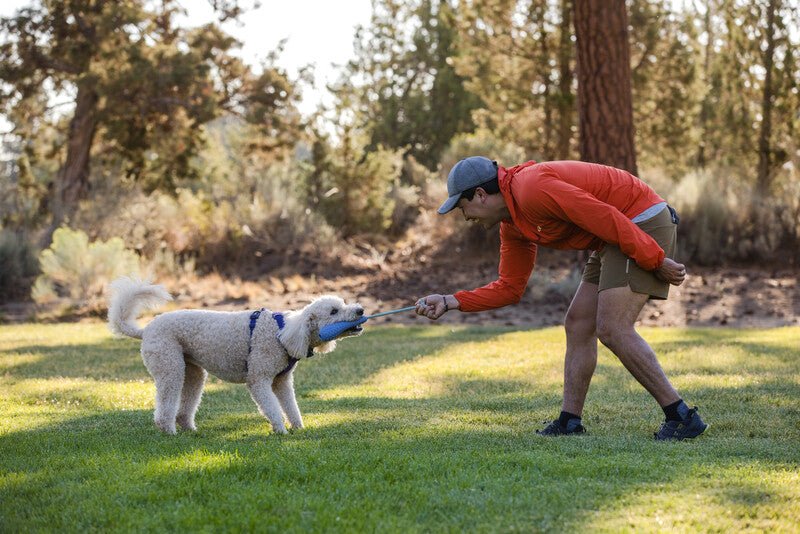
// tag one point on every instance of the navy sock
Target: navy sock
(677, 411)
(565, 417)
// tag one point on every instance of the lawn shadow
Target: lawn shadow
(107, 359)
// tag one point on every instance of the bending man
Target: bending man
(582, 206)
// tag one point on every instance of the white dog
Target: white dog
(257, 348)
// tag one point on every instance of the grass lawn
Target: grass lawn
(423, 429)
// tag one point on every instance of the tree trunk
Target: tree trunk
(604, 83)
(72, 180)
(764, 148)
(566, 101)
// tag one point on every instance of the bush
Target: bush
(481, 143)
(76, 271)
(723, 220)
(350, 187)
(18, 265)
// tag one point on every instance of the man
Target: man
(584, 206)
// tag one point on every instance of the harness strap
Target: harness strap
(278, 317)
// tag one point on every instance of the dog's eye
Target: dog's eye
(334, 311)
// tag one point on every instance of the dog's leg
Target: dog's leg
(168, 399)
(193, 381)
(166, 365)
(283, 386)
(261, 391)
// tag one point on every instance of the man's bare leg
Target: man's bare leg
(617, 311)
(580, 360)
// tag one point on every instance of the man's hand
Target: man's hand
(671, 271)
(434, 306)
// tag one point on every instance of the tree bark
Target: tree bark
(764, 148)
(72, 180)
(604, 83)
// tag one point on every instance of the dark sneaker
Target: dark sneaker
(555, 428)
(691, 427)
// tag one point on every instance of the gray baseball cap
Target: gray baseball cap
(466, 174)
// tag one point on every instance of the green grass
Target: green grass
(424, 429)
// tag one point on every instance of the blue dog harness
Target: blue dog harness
(278, 317)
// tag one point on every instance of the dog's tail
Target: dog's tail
(128, 297)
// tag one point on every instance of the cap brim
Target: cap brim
(449, 204)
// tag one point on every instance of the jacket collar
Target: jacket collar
(505, 177)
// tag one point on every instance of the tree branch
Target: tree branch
(47, 62)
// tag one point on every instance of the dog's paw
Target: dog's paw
(167, 428)
(187, 424)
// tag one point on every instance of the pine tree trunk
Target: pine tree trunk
(764, 148)
(72, 180)
(604, 83)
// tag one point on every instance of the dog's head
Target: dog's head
(302, 327)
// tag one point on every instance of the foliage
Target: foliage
(77, 271)
(519, 59)
(350, 186)
(483, 143)
(735, 82)
(407, 429)
(19, 266)
(725, 220)
(666, 85)
(165, 138)
(142, 87)
(406, 91)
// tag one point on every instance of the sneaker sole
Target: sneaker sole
(705, 427)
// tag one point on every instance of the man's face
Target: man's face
(479, 209)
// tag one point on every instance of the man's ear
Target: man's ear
(481, 194)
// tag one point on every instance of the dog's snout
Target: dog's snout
(360, 312)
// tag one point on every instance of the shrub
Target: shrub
(723, 220)
(482, 143)
(76, 271)
(17, 265)
(350, 187)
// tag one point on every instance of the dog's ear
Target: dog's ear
(295, 334)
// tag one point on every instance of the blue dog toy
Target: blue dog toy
(334, 330)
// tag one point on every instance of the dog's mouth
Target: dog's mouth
(352, 331)
(355, 330)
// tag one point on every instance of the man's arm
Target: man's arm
(517, 258)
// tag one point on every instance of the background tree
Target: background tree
(138, 84)
(518, 57)
(666, 85)
(604, 83)
(407, 91)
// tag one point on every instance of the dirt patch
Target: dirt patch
(388, 277)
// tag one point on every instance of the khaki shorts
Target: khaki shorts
(610, 268)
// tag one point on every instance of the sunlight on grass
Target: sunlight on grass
(744, 497)
(407, 429)
(497, 363)
(195, 460)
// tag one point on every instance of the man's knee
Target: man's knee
(611, 332)
(580, 326)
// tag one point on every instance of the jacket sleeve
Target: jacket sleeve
(517, 258)
(569, 203)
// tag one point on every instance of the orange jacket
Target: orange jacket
(564, 205)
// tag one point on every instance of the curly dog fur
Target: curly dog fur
(180, 347)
